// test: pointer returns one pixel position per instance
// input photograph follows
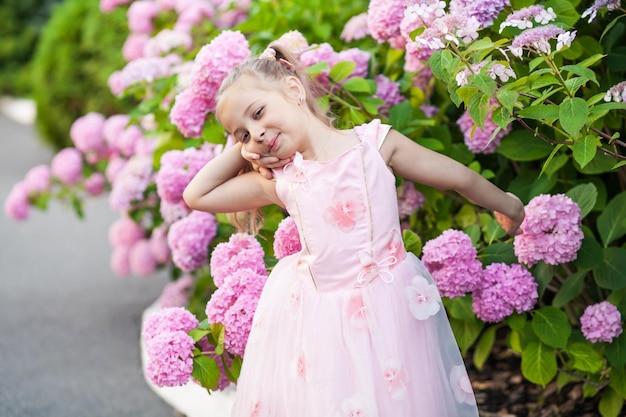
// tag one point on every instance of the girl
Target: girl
(352, 325)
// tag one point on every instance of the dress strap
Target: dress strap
(373, 132)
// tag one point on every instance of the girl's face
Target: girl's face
(267, 121)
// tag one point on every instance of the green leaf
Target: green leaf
(400, 115)
(581, 71)
(478, 108)
(435, 65)
(484, 83)
(618, 381)
(585, 357)
(585, 195)
(572, 115)
(341, 70)
(611, 274)
(552, 326)
(494, 231)
(412, 242)
(612, 221)
(197, 334)
(616, 351)
(484, 346)
(572, 287)
(206, 371)
(465, 332)
(590, 255)
(357, 85)
(611, 403)
(539, 363)
(516, 322)
(540, 112)
(584, 149)
(498, 252)
(521, 145)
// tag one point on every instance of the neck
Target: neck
(318, 142)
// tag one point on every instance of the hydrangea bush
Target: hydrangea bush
(530, 95)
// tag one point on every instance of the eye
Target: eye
(245, 136)
(258, 113)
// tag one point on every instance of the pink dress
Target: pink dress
(352, 325)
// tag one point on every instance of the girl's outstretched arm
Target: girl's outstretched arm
(217, 188)
(416, 163)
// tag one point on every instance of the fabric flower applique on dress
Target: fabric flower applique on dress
(346, 210)
(372, 269)
(354, 406)
(424, 299)
(355, 310)
(396, 379)
(461, 385)
(395, 248)
(299, 368)
(296, 173)
(258, 409)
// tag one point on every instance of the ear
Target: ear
(295, 89)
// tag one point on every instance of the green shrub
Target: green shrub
(78, 50)
(21, 23)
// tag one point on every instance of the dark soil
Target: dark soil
(501, 391)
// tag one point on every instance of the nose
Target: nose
(257, 132)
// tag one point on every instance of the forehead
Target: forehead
(237, 98)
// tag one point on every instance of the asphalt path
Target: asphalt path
(69, 328)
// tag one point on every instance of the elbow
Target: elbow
(190, 199)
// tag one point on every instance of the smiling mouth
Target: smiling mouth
(271, 145)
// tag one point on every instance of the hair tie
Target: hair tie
(270, 53)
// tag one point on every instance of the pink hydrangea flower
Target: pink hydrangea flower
(189, 240)
(451, 259)
(87, 133)
(171, 213)
(158, 245)
(113, 127)
(191, 13)
(114, 167)
(120, 262)
(616, 93)
(140, 15)
(189, 112)
(241, 251)
(323, 52)
(503, 290)
(177, 169)
(134, 45)
(537, 40)
(214, 61)
(131, 182)
(107, 6)
(142, 70)
(479, 140)
(601, 322)
(286, 238)
(240, 281)
(294, 41)
(16, 205)
(388, 91)
(37, 179)
(523, 18)
(409, 199)
(170, 358)
(484, 11)
(94, 184)
(141, 260)
(125, 232)
(359, 57)
(356, 28)
(552, 231)
(166, 41)
(238, 322)
(176, 293)
(171, 319)
(384, 17)
(67, 166)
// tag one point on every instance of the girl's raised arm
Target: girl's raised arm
(218, 189)
(416, 163)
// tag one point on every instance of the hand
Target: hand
(511, 224)
(264, 164)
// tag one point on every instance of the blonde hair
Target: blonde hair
(273, 70)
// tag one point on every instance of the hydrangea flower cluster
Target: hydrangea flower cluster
(552, 231)
(324, 52)
(484, 11)
(132, 251)
(503, 290)
(239, 273)
(597, 5)
(176, 293)
(286, 238)
(212, 63)
(189, 239)
(177, 169)
(409, 199)
(523, 18)
(616, 93)
(483, 140)
(388, 91)
(169, 347)
(451, 259)
(537, 40)
(356, 28)
(384, 17)
(601, 322)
